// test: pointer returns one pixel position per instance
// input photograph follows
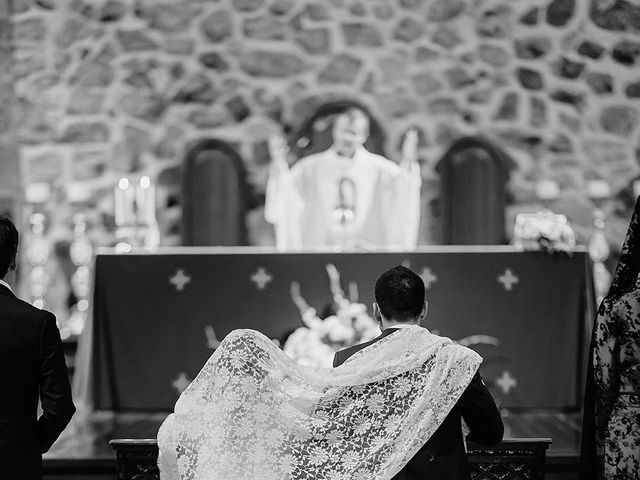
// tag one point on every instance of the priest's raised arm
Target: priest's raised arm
(344, 196)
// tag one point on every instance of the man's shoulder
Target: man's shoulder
(16, 307)
(382, 163)
(342, 355)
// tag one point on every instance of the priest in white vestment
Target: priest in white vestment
(345, 196)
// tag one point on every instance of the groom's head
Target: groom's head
(400, 295)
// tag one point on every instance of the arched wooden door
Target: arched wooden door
(473, 178)
(214, 195)
(315, 134)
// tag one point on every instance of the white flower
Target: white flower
(350, 460)
(318, 456)
(375, 402)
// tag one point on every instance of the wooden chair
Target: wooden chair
(215, 195)
(315, 134)
(474, 174)
(512, 459)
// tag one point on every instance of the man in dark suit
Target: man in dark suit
(32, 365)
(400, 303)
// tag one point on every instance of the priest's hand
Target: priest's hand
(278, 149)
(409, 149)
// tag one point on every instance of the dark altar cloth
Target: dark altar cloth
(144, 333)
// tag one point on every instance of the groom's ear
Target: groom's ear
(377, 316)
(425, 309)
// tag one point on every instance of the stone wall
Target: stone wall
(10, 187)
(107, 88)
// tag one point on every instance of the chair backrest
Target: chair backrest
(474, 174)
(214, 195)
(315, 134)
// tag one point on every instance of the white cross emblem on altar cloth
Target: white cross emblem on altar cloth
(428, 277)
(179, 280)
(181, 383)
(506, 382)
(508, 280)
(261, 278)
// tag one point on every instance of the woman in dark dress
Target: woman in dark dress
(611, 423)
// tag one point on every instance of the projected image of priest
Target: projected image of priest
(345, 195)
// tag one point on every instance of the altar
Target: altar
(157, 317)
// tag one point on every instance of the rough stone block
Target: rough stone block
(495, 55)
(458, 77)
(590, 49)
(247, 5)
(135, 41)
(495, 22)
(408, 30)
(342, 68)
(425, 83)
(560, 12)
(600, 83)
(112, 11)
(317, 11)
(266, 63)
(633, 90)
(361, 34)
(530, 79)
(575, 99)
(214, 61)
(86, 132)
(383, 11)
(179, 46)
(238, 108)
(146, 106)
(568, 68)
(314, 41)
(508, 109)
(265, 28)
(626, 52)
(218, 26)
(619, 119)
(615, 15)
(531, 48)
(445, 10)
(530, 17)
(169, 17)
(446, 36)
(538, 112)
(94, 74)
(197, 89)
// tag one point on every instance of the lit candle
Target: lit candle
(146, 201)
(636, 188)
(119, 201)
(598, 189)
(547, 189)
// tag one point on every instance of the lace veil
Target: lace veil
(252, 413)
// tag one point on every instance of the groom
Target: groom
(32, 367)
(400, 303)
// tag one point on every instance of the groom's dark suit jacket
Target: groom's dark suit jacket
(31, 365)
(443, 456)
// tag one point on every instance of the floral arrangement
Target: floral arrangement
(545, 230)
(315, 343)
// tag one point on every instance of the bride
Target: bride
(252, 413)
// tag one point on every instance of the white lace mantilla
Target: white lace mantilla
(253, 414)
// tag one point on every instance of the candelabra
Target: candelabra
(599, 191)
(37, 256)
(81, 253)
(135, 215)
